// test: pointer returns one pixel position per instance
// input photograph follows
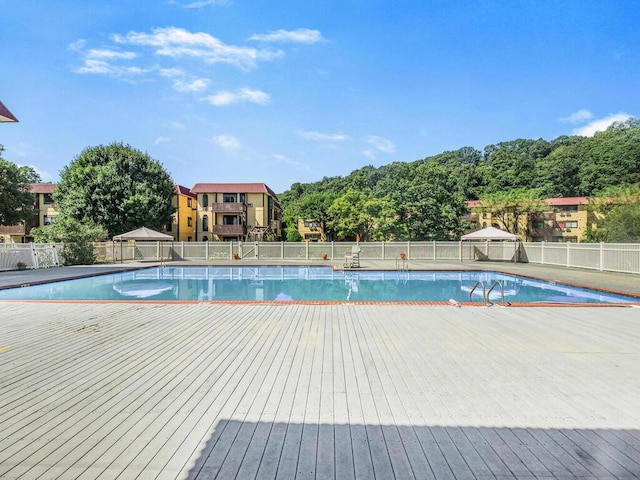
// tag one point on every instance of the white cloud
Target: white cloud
(578, 117)
(108, 54)
(171, 72)
(370, 154)
(177, 125)
(322, 137)
(381, 144)
(301, 35)
(292, 163)
(176, 42)
(160, 140)
(227, 141)
(240, 95)
(106, 68)
(601, 124)
(197, 85)
(199, 3)
(102, 61)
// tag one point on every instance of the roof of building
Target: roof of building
(559, 201)
(184, 191)
(43, 187)
(233, 188)
(567, 201)
(6, 115)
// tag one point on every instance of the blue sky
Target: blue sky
(292, 91)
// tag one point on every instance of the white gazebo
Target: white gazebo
(490, 234)
(142, 234)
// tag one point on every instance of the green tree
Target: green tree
(77, 237)
(434, 206)
(511, 164)
(118, 187)
(16, 199)
(513, 208)
(356, 213)
(615, 211)
(315, 206)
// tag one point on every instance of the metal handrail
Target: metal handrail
(484, 296)
(497, 282)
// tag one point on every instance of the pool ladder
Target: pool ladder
(487, 293)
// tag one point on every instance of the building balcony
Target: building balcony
(233, 207)
(545, 216)
(229, 230)
(12, 229)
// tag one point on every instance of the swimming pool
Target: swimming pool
(308, 284)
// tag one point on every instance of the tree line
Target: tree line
(110, 189)
(426, 199)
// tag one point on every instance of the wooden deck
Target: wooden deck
(207, 391)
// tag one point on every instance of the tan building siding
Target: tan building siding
(183, 227)
(239, 212)
(565, 220)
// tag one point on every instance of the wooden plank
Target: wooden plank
(336, 391)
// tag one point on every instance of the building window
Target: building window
(190, 221)
(189, 203)
(168, 227)
(568, 208)
(205, 224)
(230, 198)
(205, 239)
(189, 239)
(242, 198)
(567, 224)
(484, 224)
(47, 220)
(230, 220)
(205, 201)
(47, 198)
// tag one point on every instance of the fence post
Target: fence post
(256, 251)
(435, 250)
(459, 250)
(601, 255)
(282, 250)
(408, 248)
(306, 250)
(333, 253)
(54, 251)
(383, 256)
(542, 253)
(34, 255)
(568, 254)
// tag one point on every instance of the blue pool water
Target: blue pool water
(306, 284)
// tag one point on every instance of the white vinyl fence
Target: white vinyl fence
(20, 256)
(596, 256)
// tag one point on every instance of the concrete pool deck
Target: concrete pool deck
(205, 391)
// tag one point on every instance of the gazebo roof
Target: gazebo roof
(144, 233)
(490, 233)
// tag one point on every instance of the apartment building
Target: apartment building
(566, 220)
(311, 231)
(183, 227)
(237, 212)
(45, 212)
